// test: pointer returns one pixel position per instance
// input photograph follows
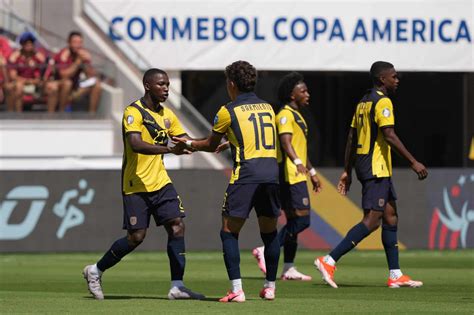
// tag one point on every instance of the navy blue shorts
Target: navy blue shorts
(239, 200)
(295, 196)
(377, 192)
(163, 205)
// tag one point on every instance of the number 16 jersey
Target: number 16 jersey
(249, 124)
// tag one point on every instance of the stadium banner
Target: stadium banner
(321, 35)
(82, 211)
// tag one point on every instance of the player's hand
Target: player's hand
(301, 169)
(179, 148)
(317, 186)
(344, 183)
(420, 170)
(222, 147)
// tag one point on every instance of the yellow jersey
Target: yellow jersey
(143, 172)
(249, 124)
(373, 157)
(292, 122)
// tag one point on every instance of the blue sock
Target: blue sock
(230, 247)
(353, 237)
(117, 251)
(390, 244)
(177, 258)
(271, 253)
(282, 235)
(288, 236)
(290, 247)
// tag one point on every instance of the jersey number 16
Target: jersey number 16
(259, 126)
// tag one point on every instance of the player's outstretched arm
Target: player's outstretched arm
(142, 147)
(209, 144)
(393, 140)
(345, 180)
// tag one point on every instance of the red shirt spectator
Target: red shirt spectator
(65, 58)
(27, 66)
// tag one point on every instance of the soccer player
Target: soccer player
(370, 139)
(249, 124)
(147, 189)
(294, 167)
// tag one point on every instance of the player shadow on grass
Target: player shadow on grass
(139, 297)
(341, 286)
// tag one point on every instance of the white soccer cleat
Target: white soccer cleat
(94, 282)
(267, 294)
(293, 274)
(183, 293)
(259, 255)
(403, 281)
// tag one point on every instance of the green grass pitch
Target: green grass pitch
(53, 284)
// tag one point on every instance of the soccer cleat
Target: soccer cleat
(238, 296)
(183, 293)
(293, 274)
(267, 294)
(403, 281)
(326, 270)
(260, 257)
(94, 283)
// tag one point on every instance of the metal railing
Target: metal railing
(202, 126)
(11, 25)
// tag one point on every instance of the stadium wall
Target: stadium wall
(57, 211)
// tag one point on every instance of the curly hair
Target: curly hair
(287, 84)
(243, 74)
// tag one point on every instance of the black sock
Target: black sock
(390, 244)
(117, 251)
(353, 237)
(271, 253)
(176, 254)
(230, 247)
(293, 227)
(290, 247)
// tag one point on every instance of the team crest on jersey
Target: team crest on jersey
(305, 201)
(129, 119)
(216, 119)
(386, 112)
(283, 120)
(381, 202)
(133, 220)
(167, 123)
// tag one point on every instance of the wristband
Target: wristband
(297, 162)
(189, 144)
(312, 172)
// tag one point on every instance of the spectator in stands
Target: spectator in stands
(5, 51)
(25, 68)
(72, 63)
